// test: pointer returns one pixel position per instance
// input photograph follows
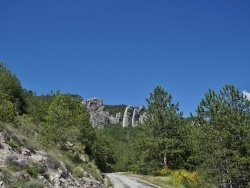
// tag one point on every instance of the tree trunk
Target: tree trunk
(165, 160)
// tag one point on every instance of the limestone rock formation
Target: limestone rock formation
(128, 114)
(116, 119)
(139, 116)
(135, 117)
(98, 116)
(93, 103)
(143, 118)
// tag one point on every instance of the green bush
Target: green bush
(77, 172)
(34, 184)
(12, 144)
(33, 170)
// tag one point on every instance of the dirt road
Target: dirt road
(124, 181)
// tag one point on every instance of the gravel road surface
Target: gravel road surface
(124, 181)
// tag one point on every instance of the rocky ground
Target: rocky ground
(35, 168)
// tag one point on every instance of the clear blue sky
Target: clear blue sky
(120, 50)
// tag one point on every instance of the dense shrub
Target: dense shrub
(182, 177)
(34, 184)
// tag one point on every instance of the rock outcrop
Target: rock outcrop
(128, 114)
(93, 103)
(135, 117)
(100, 117)
(143, 118)
(116, 119)
(37, 166)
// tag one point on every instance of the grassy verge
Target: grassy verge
(167, 178)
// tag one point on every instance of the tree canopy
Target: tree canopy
(160, 141)
(11, 99)
(222, 133)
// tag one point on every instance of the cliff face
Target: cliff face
(128, 114)
(100, 117)
(134, 115)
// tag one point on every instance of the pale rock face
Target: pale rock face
(143, 118)
(128, 114)
(112, 119)
(116, 119)
(135, 117)
(93, 103)
(98, 116)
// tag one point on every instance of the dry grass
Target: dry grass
(164, 182)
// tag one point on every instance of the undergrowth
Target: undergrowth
(182, 177)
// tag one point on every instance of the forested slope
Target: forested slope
(56, 129)
(209, 149)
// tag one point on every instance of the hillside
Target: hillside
(47, 140)
(24, 164)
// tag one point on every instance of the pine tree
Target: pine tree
(222, 133)
(160, 142)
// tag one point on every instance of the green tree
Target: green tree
(160, 141)
(37, 106)
(7, 109)
(102, 152)
(11, 89)
(222, 133)
(67, 120)
(121, 140)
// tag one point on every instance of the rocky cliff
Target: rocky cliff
(128, 114)
(100, 117)
(134, 115)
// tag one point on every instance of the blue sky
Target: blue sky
(120, 50)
